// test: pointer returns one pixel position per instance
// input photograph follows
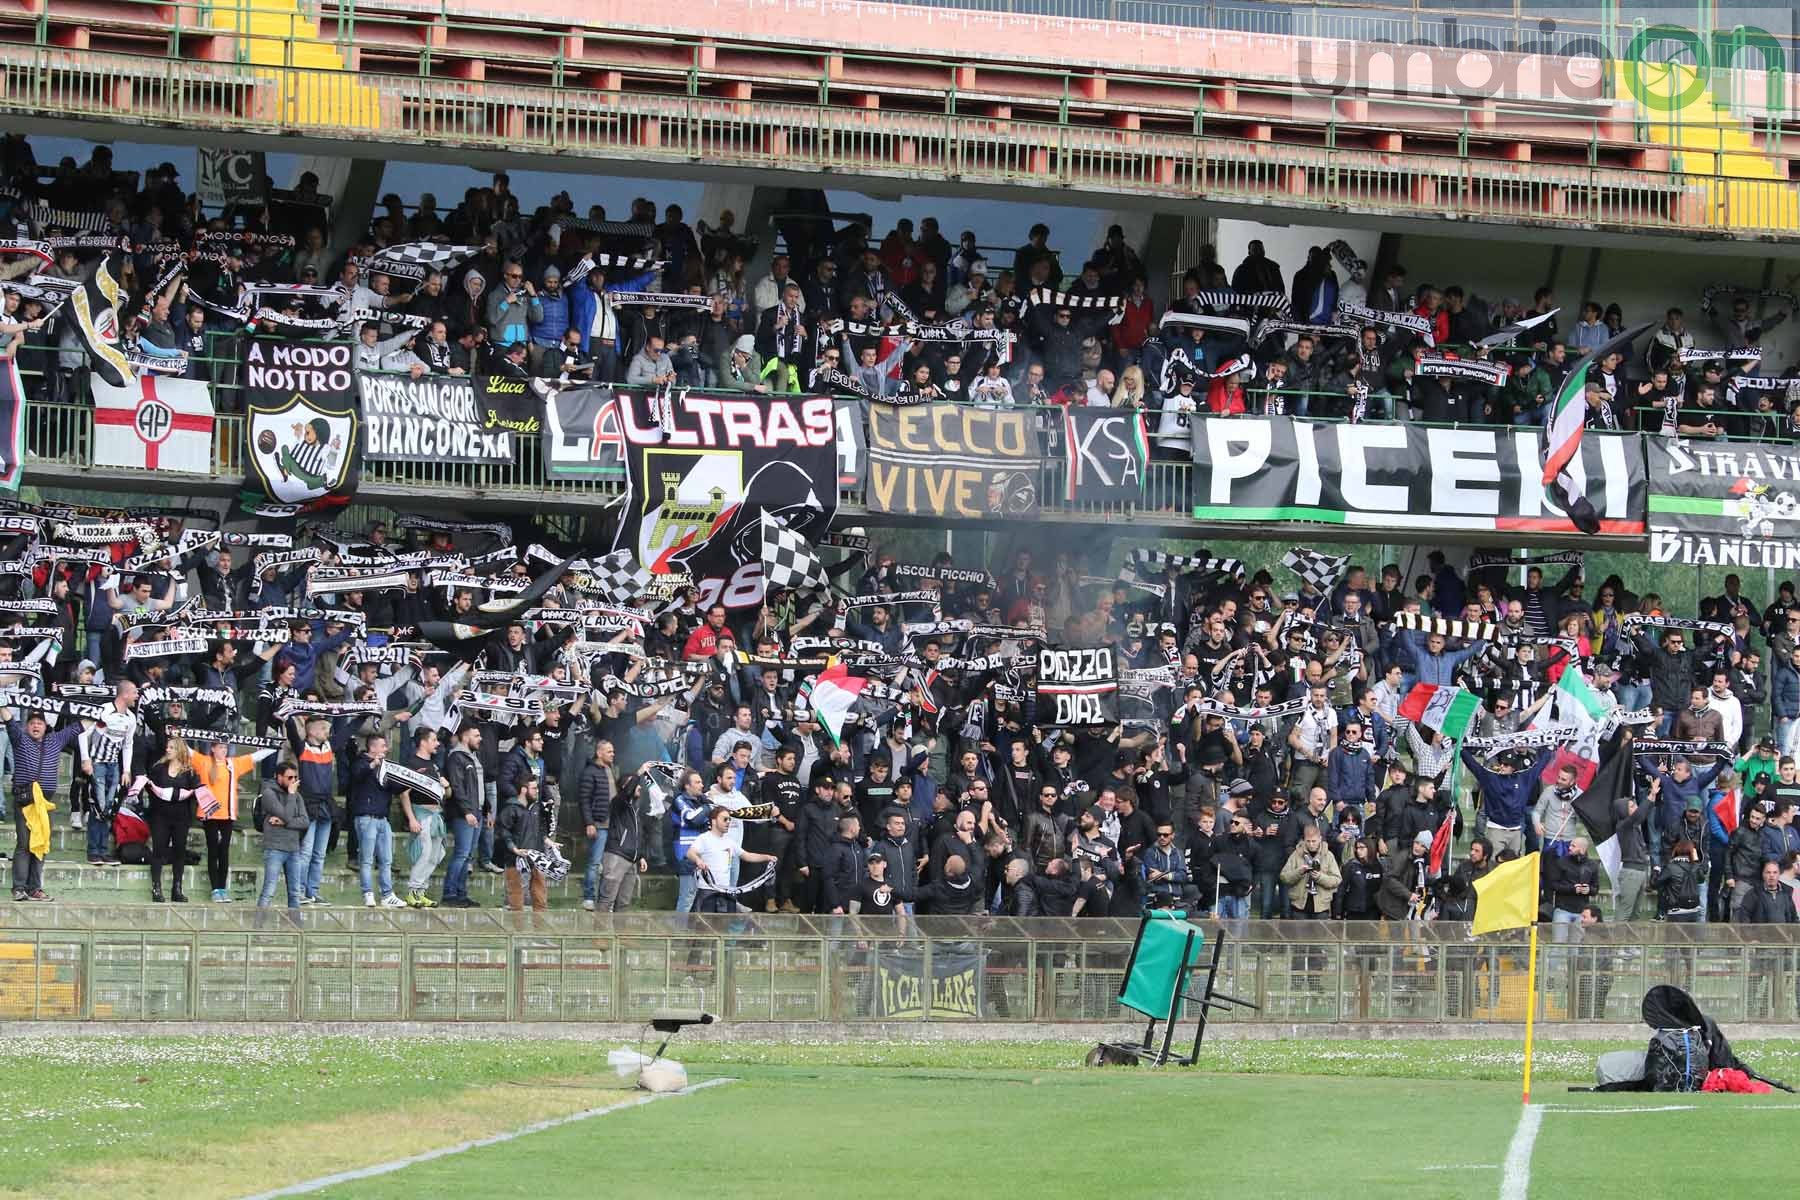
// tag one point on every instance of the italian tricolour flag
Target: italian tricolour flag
(1580, 711)
(1449, 710)
(833, 693)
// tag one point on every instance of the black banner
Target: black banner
(303, 429)
(702, 469)
(582, 438)
(1077, 685)
(953, 460)
(508, 403)
(905, 991)
(581, 434)
(1107, 454)
(429, 419)
(1262, 469)
(1724, 504)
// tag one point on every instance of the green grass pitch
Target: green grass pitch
(231, 1116)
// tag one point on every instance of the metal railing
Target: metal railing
(156, 964)
(648, 125)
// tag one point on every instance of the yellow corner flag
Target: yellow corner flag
(1507, 897)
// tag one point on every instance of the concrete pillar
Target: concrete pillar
(354, 185)
(1174, 239)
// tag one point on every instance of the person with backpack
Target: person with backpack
(281, 819)
(1682, 884)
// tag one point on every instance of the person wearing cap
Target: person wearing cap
(1506, 791)
(744, 369)
(1761, 765)
(35, 755)
(551, 319)
(973, 290)
(877, 895)
(811, 847)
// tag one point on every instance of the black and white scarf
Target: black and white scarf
(1469, 631)
(1633, 620)
(1504, 558)
(1158, 560)
(1362, 314)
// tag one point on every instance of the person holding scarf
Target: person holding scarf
(216, 805)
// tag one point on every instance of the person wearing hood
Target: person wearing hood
(744, 369)
(1406, 884)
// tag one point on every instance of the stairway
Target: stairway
(316, 86)
(1740, 185)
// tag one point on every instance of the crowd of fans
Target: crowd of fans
(1261, 766)
(956, 799)
(841, 308)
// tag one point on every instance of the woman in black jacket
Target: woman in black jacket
(1362, 883)
(171, 784)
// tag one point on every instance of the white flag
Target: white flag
(154, 424)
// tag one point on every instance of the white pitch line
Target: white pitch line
(388, 1168)
(1571, 1110)
(1463, 1167)
(1601, 1112)
(1515, 1180)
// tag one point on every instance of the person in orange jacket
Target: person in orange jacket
(216, 806)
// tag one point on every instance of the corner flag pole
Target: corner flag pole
(1530, 1009)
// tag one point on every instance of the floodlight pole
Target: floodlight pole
(1530, 1008)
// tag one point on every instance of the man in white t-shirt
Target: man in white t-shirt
(711, 853)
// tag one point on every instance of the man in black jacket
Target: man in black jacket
(957, 894)
(1769, 903)
(463, 811)
(624, 858)
(902, 857)
(520, 828)
(845, 867)
(812, 842)
(781, 788)
(1572, 881)
(594, 793)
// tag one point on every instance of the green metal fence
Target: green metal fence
(646, 126)
(161, 964)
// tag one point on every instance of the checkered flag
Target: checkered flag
(415, 259)
(618, 578)
(789, 561)
(1321, 571)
